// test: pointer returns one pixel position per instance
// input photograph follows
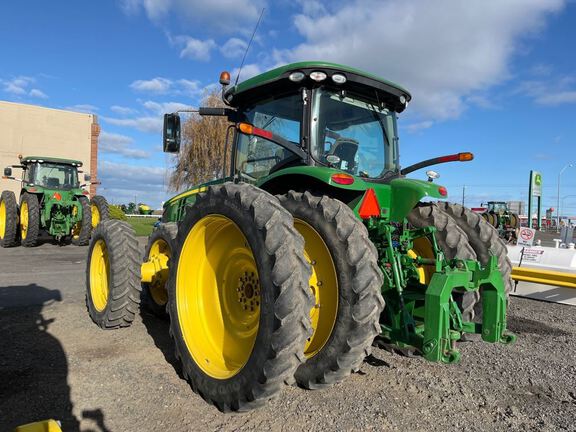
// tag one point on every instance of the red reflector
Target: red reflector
(343, 179)
(32, 190)
(443, 191)
(85, 192)
(449, 158)
(369, 207)
(57, 196)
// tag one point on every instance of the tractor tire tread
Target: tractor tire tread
(33, 232)
(10, 237)
(86, 227)
(361, 257)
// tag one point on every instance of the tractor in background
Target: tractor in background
(51, 200)
(315, 245)
(500, 217)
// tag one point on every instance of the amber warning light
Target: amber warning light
(225, 78)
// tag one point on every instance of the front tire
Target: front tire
(29, 219)
(99, 209)
(238, 296)
(159, 250)
(8, 219)
(346, 283)
(82, 230)
(113, 275)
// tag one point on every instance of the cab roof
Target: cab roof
(34, 159)
(357, 81)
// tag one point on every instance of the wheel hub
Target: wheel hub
(249, 291)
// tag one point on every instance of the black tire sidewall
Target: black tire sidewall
(99, 317)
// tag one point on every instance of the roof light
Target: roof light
(296, 76)
(342, 178)
(225, 78)
(339, 78)
(402, 99)
(318, 76)
(443, 191)
(369, 207)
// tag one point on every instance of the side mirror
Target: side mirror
(87, 177)
(171, 133)
(8, 172)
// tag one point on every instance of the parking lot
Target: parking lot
(56, 363)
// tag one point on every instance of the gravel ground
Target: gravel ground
(56, 363)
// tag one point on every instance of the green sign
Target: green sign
(536, 183)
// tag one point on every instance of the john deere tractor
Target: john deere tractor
(500, 217)
(315, 243)
(51, 200)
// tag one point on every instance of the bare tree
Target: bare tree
(202, 156)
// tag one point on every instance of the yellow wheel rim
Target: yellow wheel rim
(423, 248)
(159, 252)
(218, 296)
(2, 219)
(95, 215)
(99, 275)
(77, 227)
(24, 219)
(324, 286)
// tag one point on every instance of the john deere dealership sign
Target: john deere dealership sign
(536, 183)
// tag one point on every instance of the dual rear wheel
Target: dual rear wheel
(263, 292)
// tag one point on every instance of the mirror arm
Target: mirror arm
(458, 157)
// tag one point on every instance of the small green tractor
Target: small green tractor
(500, 217)
(51, 200)
(312, 248)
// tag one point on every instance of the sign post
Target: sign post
(535, 190)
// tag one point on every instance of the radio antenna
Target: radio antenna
(248, 47)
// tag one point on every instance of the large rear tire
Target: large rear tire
(484, 239)
(29, 219)
(8, 220)
(82, 230)
(346, 283)
(238, 296)
(113, 275)
(159, 251)
(451, 240)
(99, 209)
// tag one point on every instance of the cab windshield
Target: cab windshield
(52, 176)
(353, 134)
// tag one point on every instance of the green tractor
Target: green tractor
(500, 217)
(51, 200)
(313, 247)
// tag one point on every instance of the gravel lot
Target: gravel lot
(56, 363)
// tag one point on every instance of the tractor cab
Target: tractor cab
(313, 114)
(51, 173)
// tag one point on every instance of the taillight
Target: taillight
(369, 206)
(343, 179)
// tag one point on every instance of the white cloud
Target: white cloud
(222, 15)
(154, 85)
(122, 110)
(188, 87)
(85, 108)
(233, 48)
(417, 127)
(165, 107)
(19, 87)
(150, 124)
(122, 182)
(194, 49)
(553, 91)
(248, 71)
(442, 51)
(120, 144)
(38, 94)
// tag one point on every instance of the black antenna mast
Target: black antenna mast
(248, 47)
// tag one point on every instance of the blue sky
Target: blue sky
(497, 78)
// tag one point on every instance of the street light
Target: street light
(558, 206)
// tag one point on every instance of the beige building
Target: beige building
(32, 130)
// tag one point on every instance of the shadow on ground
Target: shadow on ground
(33, 365)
